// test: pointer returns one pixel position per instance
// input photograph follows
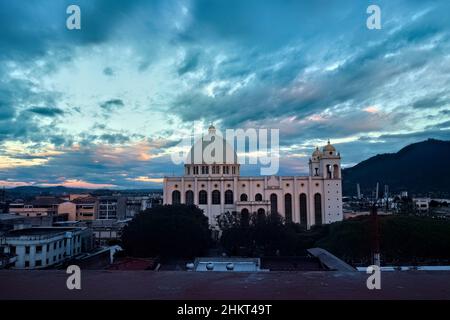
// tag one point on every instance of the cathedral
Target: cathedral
(217, 188)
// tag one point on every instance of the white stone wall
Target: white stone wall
(329, 189)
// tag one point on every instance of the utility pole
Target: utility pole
(375, 232)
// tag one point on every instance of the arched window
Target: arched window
(258, 197)
(328, 171)
(176, 197)
(261, 215)
(202, 197)
(303, 210)
(244, 197)
(245, 217)
(229, 197)
(189, 197)
(273, 203)
(288, 207)
(216, 197)
(336, 171)
(318, 208)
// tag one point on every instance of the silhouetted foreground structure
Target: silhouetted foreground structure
(220, 285)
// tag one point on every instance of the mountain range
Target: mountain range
(420, 168)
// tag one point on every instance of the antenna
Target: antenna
(376, 193)
(375, 231)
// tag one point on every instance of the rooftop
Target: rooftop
(38, 231)
(51, 284)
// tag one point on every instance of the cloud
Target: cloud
(46, 111)
(112, 104)
(311, 69)
(108, 71)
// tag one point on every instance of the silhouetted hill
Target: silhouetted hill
(419, 168)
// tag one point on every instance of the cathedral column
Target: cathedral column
(183, 193)
(310, 205)
(196, 191)
(235, 191)
(222, 196)
(295, 200)
(250, 188)
(209, 199)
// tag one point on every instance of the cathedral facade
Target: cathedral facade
(216, 188)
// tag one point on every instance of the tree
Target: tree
(175, 231)
(257, 234)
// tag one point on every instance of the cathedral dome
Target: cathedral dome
(212, 149)
(329, 148)
(316, 154)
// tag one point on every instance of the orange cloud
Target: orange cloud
(371, 109)
(146, 179)
(13, 184)
(73, 183)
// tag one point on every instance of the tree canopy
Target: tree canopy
(178, 231)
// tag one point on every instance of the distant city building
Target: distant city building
(422, 204)
(80, 208)
(40, 206)
(112, 208)
(219, 187)
(36, 248)
(106, 231)
(136, 204)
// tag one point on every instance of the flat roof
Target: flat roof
(101, 284)
(38, 231)
(8, 216)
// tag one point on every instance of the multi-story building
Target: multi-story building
(45, 246)
(136, 204)
(217, 188)
(40, 206)
(112, 207)
(79, 209)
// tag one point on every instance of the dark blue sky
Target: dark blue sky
(106, 105)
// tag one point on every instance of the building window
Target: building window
(27, 264)
(273, 203)
(318, 208)
(216, 197)
(258, 197)
(202, 197)
(226, 170)
(38, 249)
(288, 207)
(54, 245)
(189, 197)
(205, 170)
(188, 170)
(233, 170)
(27, 250)
(38, 263)
(196, 170)
(244, 197)
(229, 197)
(303, 214)
(335, 171)
(261, 213)
(176, 197)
